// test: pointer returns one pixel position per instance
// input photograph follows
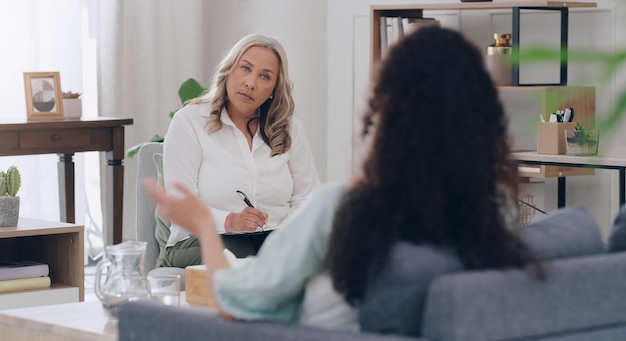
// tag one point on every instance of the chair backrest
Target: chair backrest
(145, 220)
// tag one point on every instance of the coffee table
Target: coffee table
(76, 321)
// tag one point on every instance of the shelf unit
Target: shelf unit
(60, 245)
(582, 99)
(417, 11)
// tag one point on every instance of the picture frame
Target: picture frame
(44, 98)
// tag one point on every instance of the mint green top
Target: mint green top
(271, 285)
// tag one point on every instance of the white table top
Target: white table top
(77, 321)
(615, 157)
(81, 320)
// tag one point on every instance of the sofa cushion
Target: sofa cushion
(617, 238)
(567, 232)
(394, 302)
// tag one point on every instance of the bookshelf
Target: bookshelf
(582, 99)
(60, 245)
(417, 11)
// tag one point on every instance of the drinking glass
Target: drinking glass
(165, 289)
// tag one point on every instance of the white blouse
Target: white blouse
(214, 166)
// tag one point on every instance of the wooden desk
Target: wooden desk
(612, 159)
(66, 137)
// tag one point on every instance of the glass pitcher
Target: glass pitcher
(125, 280)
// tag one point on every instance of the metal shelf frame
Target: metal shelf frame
(517, 12)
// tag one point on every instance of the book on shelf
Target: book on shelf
(22, 269)
(390, 32)
(25, 284)
(411, 24)
(393, 28)
(383, 35)
(56, 294)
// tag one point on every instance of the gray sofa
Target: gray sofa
(583, 299)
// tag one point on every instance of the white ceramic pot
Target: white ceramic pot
(72, 108)
(9, 211)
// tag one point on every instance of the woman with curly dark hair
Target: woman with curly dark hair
(439, 158)
(438, 175)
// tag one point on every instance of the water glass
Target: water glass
(165, 289)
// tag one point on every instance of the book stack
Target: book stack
(23, 275)
(394, 28)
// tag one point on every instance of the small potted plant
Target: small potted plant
(10, 182)
(72, 105)
(581, 141)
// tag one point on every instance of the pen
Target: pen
(247, 201)
(245, 198)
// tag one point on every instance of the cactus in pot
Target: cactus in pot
(10, 182)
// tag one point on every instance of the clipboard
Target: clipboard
(265, 230)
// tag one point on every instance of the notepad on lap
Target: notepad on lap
(266, 229)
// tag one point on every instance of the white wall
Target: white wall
(348, 68)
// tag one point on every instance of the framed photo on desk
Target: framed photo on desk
(44, 99)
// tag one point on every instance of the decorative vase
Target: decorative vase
(9, 211)
(72, 108)
(497, 59)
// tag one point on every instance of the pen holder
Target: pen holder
(551, 137)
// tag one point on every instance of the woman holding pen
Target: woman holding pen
(239, 138)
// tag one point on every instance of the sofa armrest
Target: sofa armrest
(151, 321)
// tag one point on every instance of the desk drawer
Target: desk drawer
(8, 140)
(54, 138)
(541, 171)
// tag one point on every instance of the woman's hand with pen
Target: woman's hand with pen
(248, 220)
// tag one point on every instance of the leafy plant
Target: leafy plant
(188, 90)
(581, 135)
(70, 94)
(10, 182)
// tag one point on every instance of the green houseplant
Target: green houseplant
(10, 182)
(188, 90)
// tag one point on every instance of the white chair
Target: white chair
(145, 220)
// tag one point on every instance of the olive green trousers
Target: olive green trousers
(187, 252)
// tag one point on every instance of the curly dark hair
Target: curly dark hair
(438, 160)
